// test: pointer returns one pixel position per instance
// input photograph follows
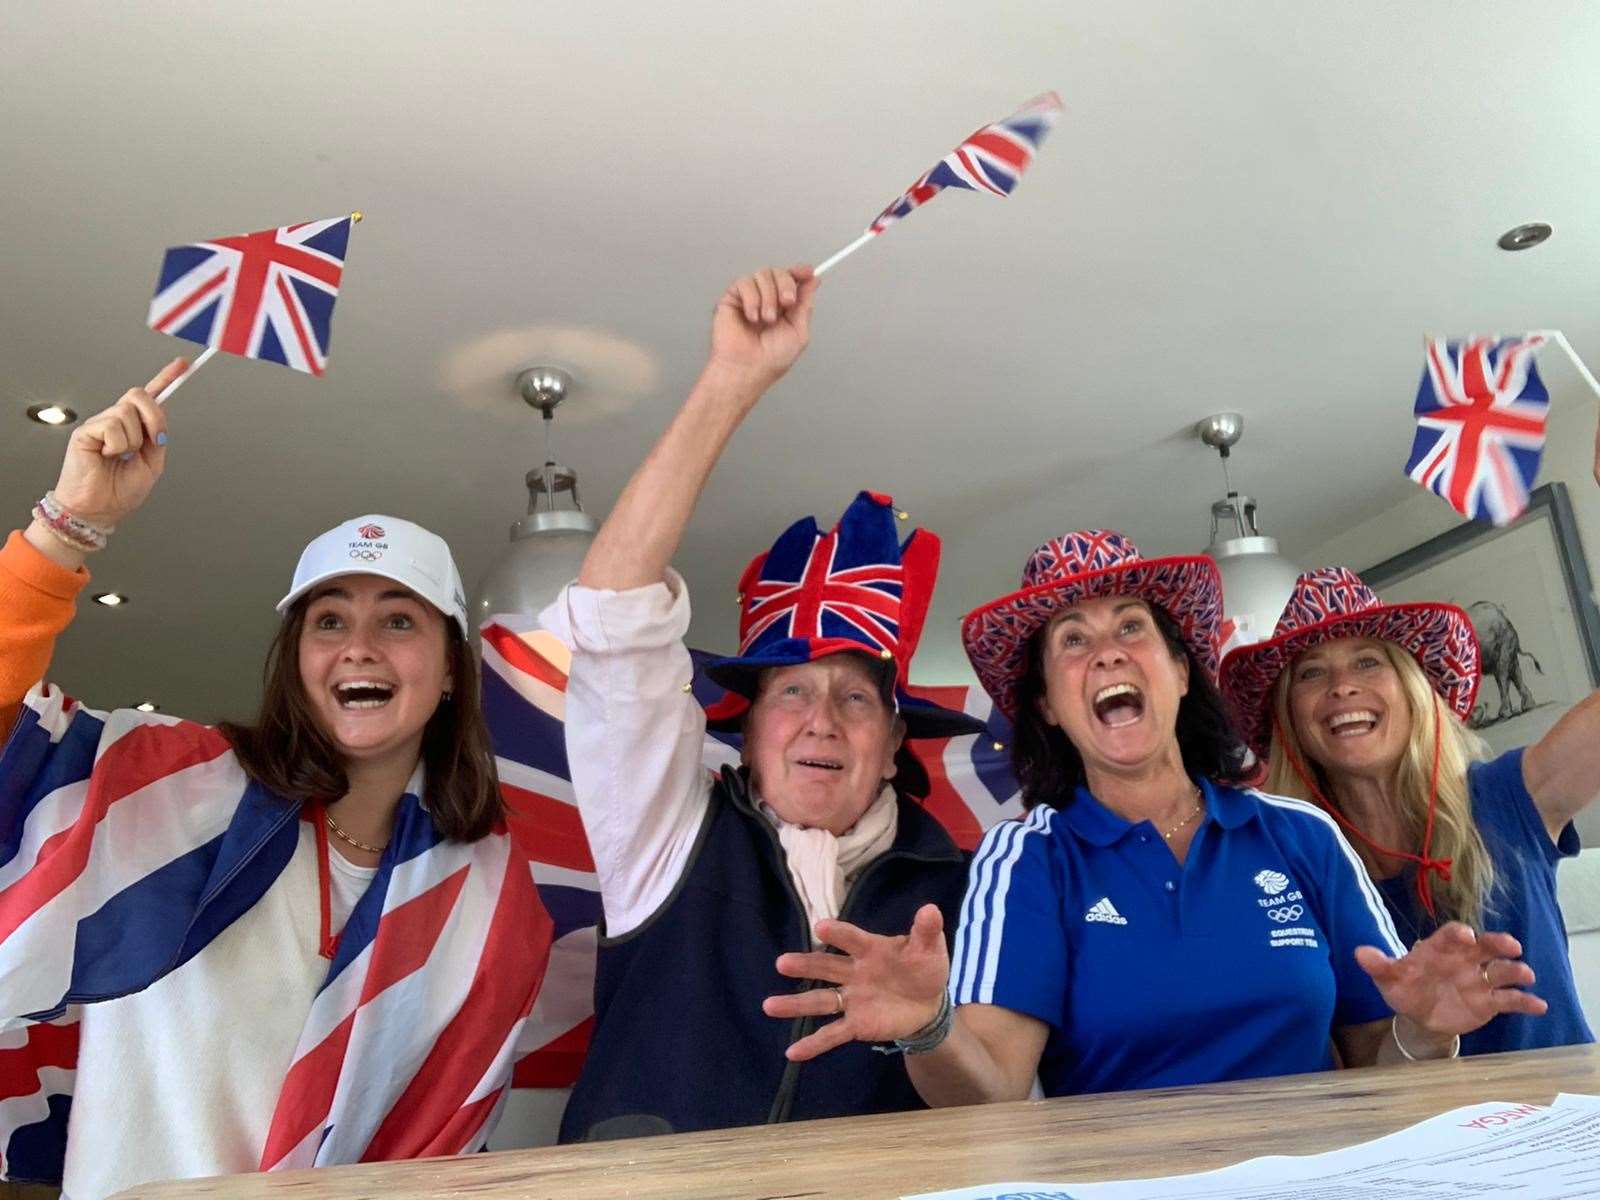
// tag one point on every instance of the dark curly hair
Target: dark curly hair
(1048, 766)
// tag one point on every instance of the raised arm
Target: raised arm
(1562, 769)
(760, 326)
(112, 461)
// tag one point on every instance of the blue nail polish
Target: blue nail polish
(161, 439)
(127, 456)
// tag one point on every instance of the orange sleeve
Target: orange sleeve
(37, 601)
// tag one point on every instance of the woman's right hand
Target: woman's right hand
(888, 987)
(115, 457)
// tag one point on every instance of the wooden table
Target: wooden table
(1084, 1138)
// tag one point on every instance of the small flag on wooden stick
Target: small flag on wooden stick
(266, 295)
(991, 160)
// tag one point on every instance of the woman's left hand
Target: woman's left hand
(1454, 981)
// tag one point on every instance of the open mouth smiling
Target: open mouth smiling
(357, 694)
(1118, 704)
(1355, 723)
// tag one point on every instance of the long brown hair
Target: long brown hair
(1466, 894)
(288, 754)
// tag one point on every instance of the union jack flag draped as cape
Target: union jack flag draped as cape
(524, 681)
(265, 295)
(991, 160)
(129, 841)
(1481, 410)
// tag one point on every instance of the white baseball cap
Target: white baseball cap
(390, 547)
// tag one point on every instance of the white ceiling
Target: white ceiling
(1247, 205)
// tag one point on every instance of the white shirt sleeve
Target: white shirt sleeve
(634, 736)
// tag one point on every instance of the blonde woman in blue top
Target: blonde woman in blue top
(1360, 706)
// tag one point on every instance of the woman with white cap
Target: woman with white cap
(1151, 922)
(1361, 707)
(302, 941)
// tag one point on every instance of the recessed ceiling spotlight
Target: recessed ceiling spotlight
(1524, 236)
(51, 414)
(110, 599)
(147, 706)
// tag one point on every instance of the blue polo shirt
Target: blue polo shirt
(1523, 904)
(1234, 965)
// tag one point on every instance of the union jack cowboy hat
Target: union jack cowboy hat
(1331, 603)
(1084, 566)
(856, 589)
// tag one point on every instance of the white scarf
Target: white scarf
(823, 865)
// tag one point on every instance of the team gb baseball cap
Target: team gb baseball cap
(392, 548)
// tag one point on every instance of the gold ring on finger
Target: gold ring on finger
(838, 1001)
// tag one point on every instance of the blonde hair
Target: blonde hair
(1466, 894)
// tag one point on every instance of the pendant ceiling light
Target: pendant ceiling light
(1256, 578)
(547, 545)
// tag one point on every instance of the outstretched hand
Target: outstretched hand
(882, 988)
(1454, 981)
(115, 457)
(762, 323)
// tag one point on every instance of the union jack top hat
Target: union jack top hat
(1330, 603)
(1083, 566)
(854, 588)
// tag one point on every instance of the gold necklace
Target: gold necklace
(1199, 808)
(345, 837)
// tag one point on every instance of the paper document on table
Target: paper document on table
(1527, 1151)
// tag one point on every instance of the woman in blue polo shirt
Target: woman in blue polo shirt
(1359, 706)
(1149, 923)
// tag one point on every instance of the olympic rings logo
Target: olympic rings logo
(1292, 913)
(368, 555)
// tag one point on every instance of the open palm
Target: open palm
(890, 986)
(1454, 981)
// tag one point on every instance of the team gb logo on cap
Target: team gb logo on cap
(370, 532)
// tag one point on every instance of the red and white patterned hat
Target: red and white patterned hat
(1084, 566)
(1331, 603)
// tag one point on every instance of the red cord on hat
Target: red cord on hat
(1425, 862)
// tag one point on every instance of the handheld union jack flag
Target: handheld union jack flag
(991, 160)
(266, 295)
(1481, 410)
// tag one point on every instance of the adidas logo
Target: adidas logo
(1104, 910)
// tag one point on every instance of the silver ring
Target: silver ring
(838, 1001)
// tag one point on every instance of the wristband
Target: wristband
(73, 530)
(930, 1037)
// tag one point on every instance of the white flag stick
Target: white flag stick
(834, 259)
(1560, 339)
(177, 383)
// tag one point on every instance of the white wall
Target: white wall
(1569, 457)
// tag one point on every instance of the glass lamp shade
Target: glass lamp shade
(1256, 578)
(1256, 582)
(546, 550)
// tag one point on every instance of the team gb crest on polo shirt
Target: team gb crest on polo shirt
(1272, 883)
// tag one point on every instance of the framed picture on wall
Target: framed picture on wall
(1527, 589)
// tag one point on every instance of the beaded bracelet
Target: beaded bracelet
(73, 530)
